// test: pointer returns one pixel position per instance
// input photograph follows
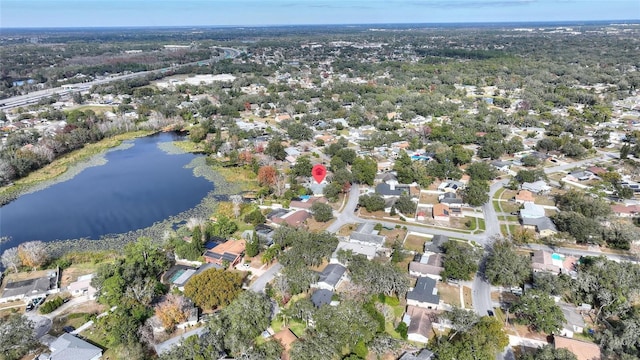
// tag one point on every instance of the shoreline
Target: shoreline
(67, 166)
(95, 156)
(159, 230)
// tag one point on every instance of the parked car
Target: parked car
(490, 313)
(68, 329)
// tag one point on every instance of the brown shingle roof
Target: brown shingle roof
(581, 349)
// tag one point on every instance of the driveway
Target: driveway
(261, 282)
(42, 324)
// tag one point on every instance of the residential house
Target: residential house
(430, 265)
(596, 170)
(321, 297)
(265, 234)
(306, 203)
(451, 186)
(178, 276)
(450, 199)
(625, 211)
(553, 263)
(388, 190)
(419, 323)
(69, 347)
(424, 294)
(502, 166)
(41, 284)
(581, 349)
(286, 337)
(574, 322)
(580, 175)
(524, 196)
(294, 219)
(539, 187)
(356, 248)
(82, 287)
(230, 252)
(366, 235)
(331, 277)
(543, 226)
(441, 212)
(436, 243)
(531, 210)
(423, 354)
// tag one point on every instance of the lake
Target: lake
(138, 186)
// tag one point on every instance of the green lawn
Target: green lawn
(296, 327)
(503, 230)
(482, 224)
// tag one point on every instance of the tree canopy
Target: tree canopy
(213, 288)
(505, 267)
(460, 261)
(539, 310)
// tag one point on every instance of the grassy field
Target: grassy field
(466, 295)
(98, 109)
(72, 273)
(62, 164)
(239, 175)
(415, 243)
(449, 294)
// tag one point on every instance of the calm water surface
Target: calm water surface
(137, 187)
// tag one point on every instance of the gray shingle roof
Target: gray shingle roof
(424, 291)
(331, 274)
(367, 238)
(321, 297)
(69, 347)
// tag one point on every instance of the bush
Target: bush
(402, 329)
(51, 305)
(377, 227)
(254, 218)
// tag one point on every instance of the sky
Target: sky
(116, 13)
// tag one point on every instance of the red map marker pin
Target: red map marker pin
(319, 172)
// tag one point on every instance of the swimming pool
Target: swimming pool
(555, 256)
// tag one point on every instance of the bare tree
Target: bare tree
(33, 253)
(172, 311)
(11, 259)
(237, 201)
(193, 222)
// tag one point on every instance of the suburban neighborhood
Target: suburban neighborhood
(471, 199)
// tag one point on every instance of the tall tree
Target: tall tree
(548, 352)
(537, 309)
(321, 212)
(172, 311)
(267, 175)
(213, 288)
(275, 149)
(364, 170)
(476, 193)
(505, 267)
(460, 260)
(11, 259)
(483, 341)
(16, 337)
(247, 317)
(33, 253)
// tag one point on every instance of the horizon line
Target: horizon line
(559, 22)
